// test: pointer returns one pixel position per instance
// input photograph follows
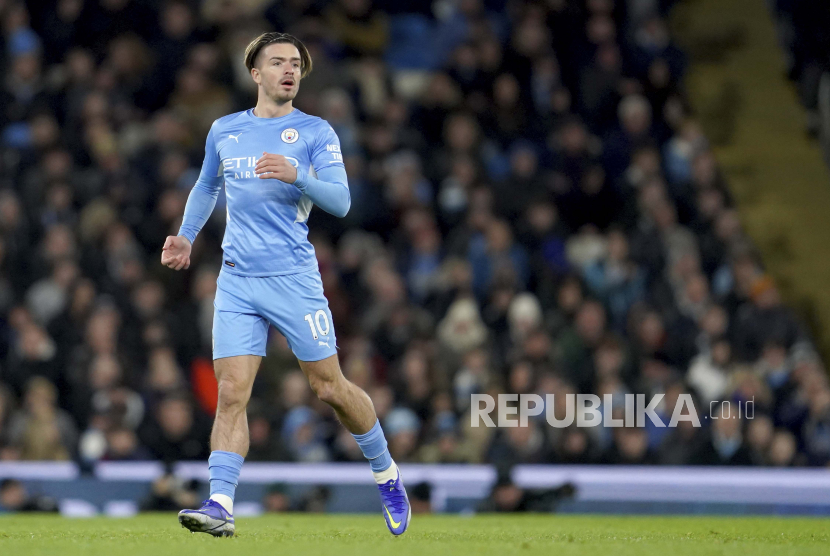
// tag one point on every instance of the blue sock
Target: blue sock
(224, 470)
(373, 446)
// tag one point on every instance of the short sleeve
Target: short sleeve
(326, 150)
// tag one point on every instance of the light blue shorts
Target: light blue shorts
(294, 304)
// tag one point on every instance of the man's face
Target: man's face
(278, 70)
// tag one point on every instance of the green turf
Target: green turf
(343, 535)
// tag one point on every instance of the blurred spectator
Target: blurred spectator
(41, 430)
(616, 280)
(507, 497)
(360, 30)
(123, 445)
(264, 442)
(630, 446)
(726, 444)
(178, 431)
(760, 432)
(402, 428)
(170, 494)
(315, 500)
(578, 342)
(518, 445)
(15, 498)
(302, 434)
(276, 499)
(764, 319)
(783, 449)
(419, 498)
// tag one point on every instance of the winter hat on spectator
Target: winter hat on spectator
(524, 315)
(401, 419)
(462, 329)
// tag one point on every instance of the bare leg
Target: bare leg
(235, 376)
(352, 405)
(355, 410)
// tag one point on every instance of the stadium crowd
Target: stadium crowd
(534, 210)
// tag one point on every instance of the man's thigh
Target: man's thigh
(239, 371)
(296, 306)
(237, 328)
(324, 370)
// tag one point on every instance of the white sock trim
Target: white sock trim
(224, 500)
(386, 475)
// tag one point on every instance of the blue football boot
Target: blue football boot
(396, 509)
(211, 518)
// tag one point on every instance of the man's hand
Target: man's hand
(176, 252)
(275, 166)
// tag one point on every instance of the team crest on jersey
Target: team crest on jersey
(290, 135)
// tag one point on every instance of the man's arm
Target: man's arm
(176, 251)
(202, 198)
(329, 190)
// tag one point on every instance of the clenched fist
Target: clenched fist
(275, 166)
(176, 252)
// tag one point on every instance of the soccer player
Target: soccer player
(275, 162)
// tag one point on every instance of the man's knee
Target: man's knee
(233, 394)
(328, 391)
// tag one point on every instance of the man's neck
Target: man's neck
(267, 108)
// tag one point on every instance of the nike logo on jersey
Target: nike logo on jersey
(234, 137)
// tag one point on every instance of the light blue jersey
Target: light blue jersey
(266, 232)
(269, 269)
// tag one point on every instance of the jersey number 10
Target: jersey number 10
(318, 316)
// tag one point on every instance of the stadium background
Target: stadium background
(536, 208)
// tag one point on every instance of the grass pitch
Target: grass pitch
(345, 535)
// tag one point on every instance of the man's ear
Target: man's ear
(256, 75)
